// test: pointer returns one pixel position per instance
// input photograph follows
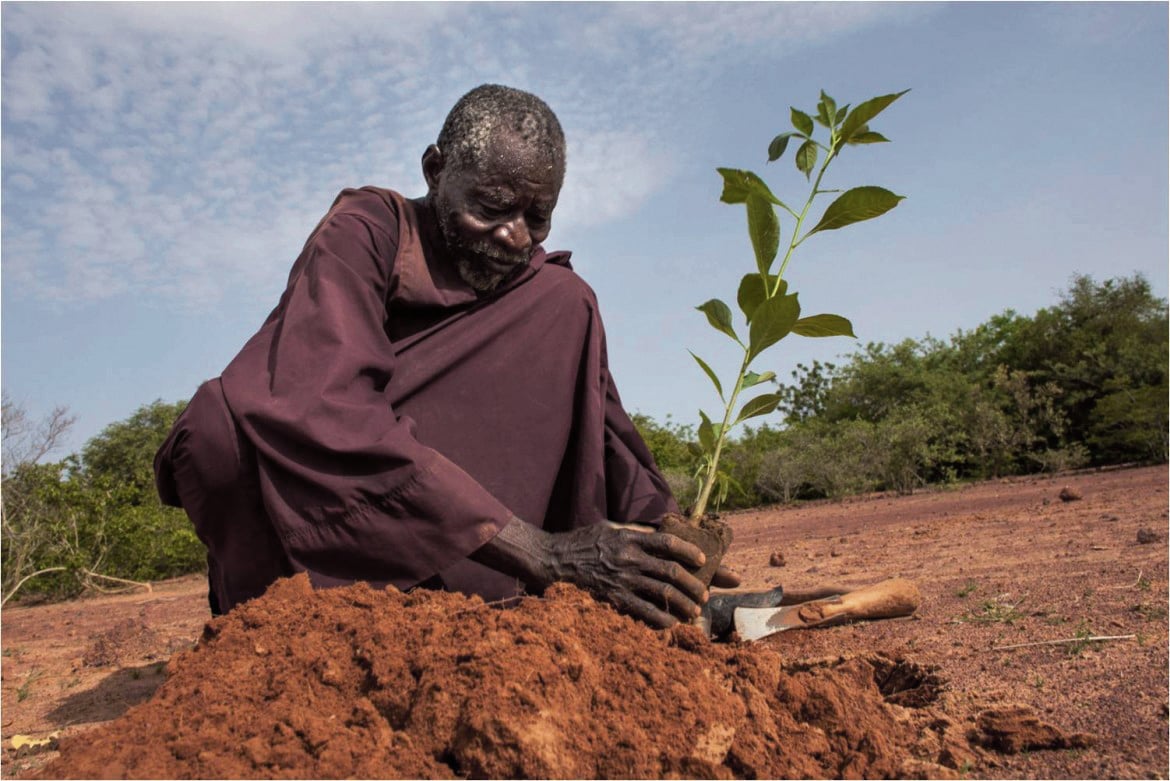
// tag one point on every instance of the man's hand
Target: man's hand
(638, 570)
(642, 574)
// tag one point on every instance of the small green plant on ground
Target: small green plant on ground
(994, 611)
(1083, 639)
(967, 589)
(26, 688)
(769, 309)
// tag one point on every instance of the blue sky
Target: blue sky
(163, 163)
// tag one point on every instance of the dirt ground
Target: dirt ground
(998, 564)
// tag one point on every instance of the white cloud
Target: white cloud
(610, 175)
(185, 150)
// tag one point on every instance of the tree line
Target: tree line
(1081, 383)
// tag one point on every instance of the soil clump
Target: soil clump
(357, 682)
(710, 534)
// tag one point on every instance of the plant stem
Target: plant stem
(713, 471)
(794, 242)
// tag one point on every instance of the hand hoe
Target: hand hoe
(888, 599)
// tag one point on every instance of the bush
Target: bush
(93, 521)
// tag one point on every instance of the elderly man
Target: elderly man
(430, 403)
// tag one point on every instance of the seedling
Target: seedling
(967, 590)
(770, 311)
(995, 611)
(26, 688)
(1083, 638)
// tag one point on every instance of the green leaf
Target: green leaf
(830, 108)
(764, 229)
(771, 322)
(751, 379)
(719, 316)
(752, 292)
(868, 137)
(778, 145)
(737, 185)
(856, 205)
(822, 115)
(823, 325)
(703, 365)
(801, 121)
(806, 158)
(864, 112)
(706, 433)
(760, 405)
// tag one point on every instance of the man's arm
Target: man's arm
(642, 574)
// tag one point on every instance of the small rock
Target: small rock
(1110, 518)
(776, 559)
(834, 553)
(1146, 536)
(1069, 495)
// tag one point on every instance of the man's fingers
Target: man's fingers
(673, 574)
(668, 546)
(725, 578)
(641, 610)
(667, 598)
(641, 528)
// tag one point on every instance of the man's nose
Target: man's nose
(514, 235)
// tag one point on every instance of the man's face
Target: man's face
(493, 214)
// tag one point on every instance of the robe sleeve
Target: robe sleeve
(636, 491)
(352, 494)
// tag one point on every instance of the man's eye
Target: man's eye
(493, 210)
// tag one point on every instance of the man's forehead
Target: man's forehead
(511, 168)
(505, 151)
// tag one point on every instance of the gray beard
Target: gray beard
(479, 277)
(470, 263)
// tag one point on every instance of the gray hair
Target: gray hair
(476, 117)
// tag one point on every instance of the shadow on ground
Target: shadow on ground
(113, 695)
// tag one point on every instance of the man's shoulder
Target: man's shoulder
(556, 272)
(377, 204)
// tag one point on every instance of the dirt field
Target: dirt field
(998, 564)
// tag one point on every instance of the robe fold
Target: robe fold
(385, 421)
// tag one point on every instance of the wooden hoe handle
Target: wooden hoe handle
(888, 599)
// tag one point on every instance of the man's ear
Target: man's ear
(432, 166)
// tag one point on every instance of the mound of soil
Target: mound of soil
(356, 682)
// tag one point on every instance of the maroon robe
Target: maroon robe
(385, 422)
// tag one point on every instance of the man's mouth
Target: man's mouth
(495, 262)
